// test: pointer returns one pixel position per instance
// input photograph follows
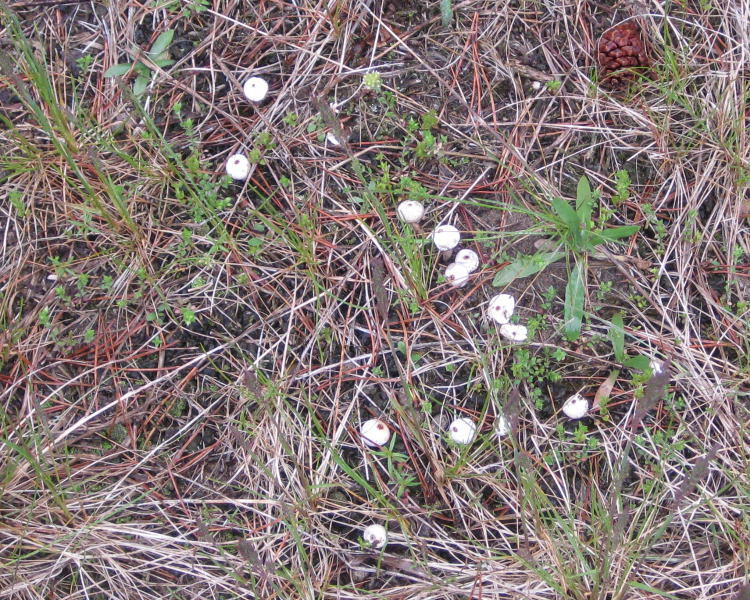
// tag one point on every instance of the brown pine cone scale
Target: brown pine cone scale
(622, 54)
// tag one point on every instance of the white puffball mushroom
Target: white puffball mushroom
(576, 406)
(332, 139)
(501, 308)
(657, 367)
(255, 89)
(375, 433)
(410, 211)
(468, 258)
(375, 535)
(536, 85)
(456, 275)
(238, 166)
(502, 426)
(514, 333)
(446, 237)
(462, 431)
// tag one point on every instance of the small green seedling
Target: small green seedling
(622, 183)
(372, 81)
(157, 55)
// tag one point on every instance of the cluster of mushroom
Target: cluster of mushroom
(463, 430)
(256, 91)
(500, 310)
(446, 238)
(375, 433)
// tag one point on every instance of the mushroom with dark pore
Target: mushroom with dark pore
(622, 54)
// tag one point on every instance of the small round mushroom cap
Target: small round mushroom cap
(657, 367)
(375, 433)
(332, 139)
(468, 258)
(238, 166)
(456, 275)
(462, 431)
(501, 308)
(410, 211)
(514, 333)
(255, 89)
(576, 406)
(375, 535)
(502, 426)
(446, 237)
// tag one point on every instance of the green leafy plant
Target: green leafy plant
(44, 317)
(537, 369)
(622, 185)
(188, 316)
(577, 236)
(157, 55)
(263, 143)
(397, 467)
(372, 81)
(426, 144)
(18, 203)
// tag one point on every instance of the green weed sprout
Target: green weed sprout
(157, 55)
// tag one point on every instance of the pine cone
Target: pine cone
(622, 54)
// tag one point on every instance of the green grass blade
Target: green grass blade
(639, 362)
(574, 295)
(584, 200)
(617, 337)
